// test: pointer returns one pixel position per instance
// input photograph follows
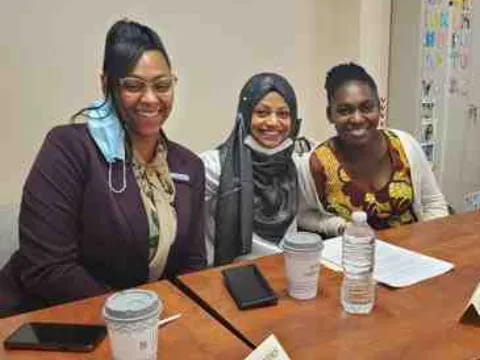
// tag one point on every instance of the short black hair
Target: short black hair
(343, 73)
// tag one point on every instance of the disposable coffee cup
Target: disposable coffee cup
(302, 253)
(132, 321)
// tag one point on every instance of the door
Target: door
(460, 176)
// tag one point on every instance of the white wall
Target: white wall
(405, 64)
(374, 41)
(51, 55)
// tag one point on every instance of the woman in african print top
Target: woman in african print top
(382, 172)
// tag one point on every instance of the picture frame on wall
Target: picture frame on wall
(427, 110)
(429, 149)
(428, 131)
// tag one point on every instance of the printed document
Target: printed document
(394, 266)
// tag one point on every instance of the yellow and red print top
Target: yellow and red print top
(387, 207)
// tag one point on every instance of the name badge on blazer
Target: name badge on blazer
(184, 178)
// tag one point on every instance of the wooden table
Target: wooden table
(196, 335)
(417, 322)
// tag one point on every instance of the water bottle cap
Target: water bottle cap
(359, 217)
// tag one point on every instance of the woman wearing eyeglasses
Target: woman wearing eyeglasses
(251, 180)
(383, 172)
(110, 204)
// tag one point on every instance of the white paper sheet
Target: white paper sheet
(269, 349)
(394, 266)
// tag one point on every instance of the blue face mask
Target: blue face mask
(107, 132)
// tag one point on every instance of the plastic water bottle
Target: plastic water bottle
(358, 260)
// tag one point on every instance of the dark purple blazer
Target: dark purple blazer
(80, 239)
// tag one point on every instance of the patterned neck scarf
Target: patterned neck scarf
(158, 193)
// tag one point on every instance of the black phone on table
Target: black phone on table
(56, 336)
(248, 287)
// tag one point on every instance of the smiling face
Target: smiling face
(146, 95)
(271, 122)
(354, 111)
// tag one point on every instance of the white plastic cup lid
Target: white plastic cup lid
(132, 305)
(359, 217)
(303, 242)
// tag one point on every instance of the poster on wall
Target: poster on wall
(429, 148)
(460, 47)
(427, 110)
(436, 28)
(446, 53)
(428, 131)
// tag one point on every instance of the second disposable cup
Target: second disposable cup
(302, 253)
(132, 323)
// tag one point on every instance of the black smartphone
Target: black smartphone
(56, 336)
(248, 287)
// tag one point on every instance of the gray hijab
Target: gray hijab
(257, 192)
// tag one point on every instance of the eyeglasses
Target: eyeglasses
(135, 86)
(264, 113)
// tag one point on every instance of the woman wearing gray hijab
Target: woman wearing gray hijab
(251, 178)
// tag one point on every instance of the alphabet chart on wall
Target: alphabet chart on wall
(446, 44)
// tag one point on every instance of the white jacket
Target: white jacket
(428, 202)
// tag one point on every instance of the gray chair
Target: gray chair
(8, 231)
